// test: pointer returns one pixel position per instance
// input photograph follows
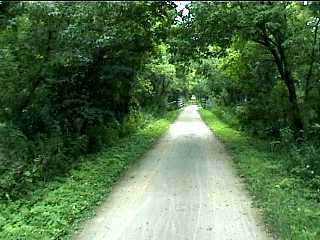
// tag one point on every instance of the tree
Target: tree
(266, 23)
(68, 75)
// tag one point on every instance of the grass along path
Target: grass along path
(287, 205)
(53, 212)
(184, 188)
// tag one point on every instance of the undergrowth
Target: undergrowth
(52, 212)
(290, 206)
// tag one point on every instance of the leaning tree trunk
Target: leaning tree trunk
(289, 81)
(295, 111)
(278, 54)
(312, 60)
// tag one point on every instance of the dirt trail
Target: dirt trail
(185, 188)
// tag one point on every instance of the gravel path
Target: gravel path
(185, 188)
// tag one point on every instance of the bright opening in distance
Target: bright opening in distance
(181, 6)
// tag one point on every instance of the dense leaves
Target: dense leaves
(73, 75)
(259, 64)
(56, 209)
(78, 76)
(260, 58)
(290, 207)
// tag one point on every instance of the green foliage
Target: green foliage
(53, 210)
(78, 77)
(265, 63)
(290, 204)
(70, 81)
(157, 81)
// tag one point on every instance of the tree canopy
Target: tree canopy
(76, 76)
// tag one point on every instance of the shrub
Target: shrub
(15, 160)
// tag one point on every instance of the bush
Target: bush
(15, 160)
(135, 121)
(260, 115)
(28, 162)
(289, 201)
(102, 135)
(302, 155)
(53, 210)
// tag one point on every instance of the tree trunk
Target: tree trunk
(278, 53)
(289, 81)
(312, 60)
(295, 111)
(38, 80)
